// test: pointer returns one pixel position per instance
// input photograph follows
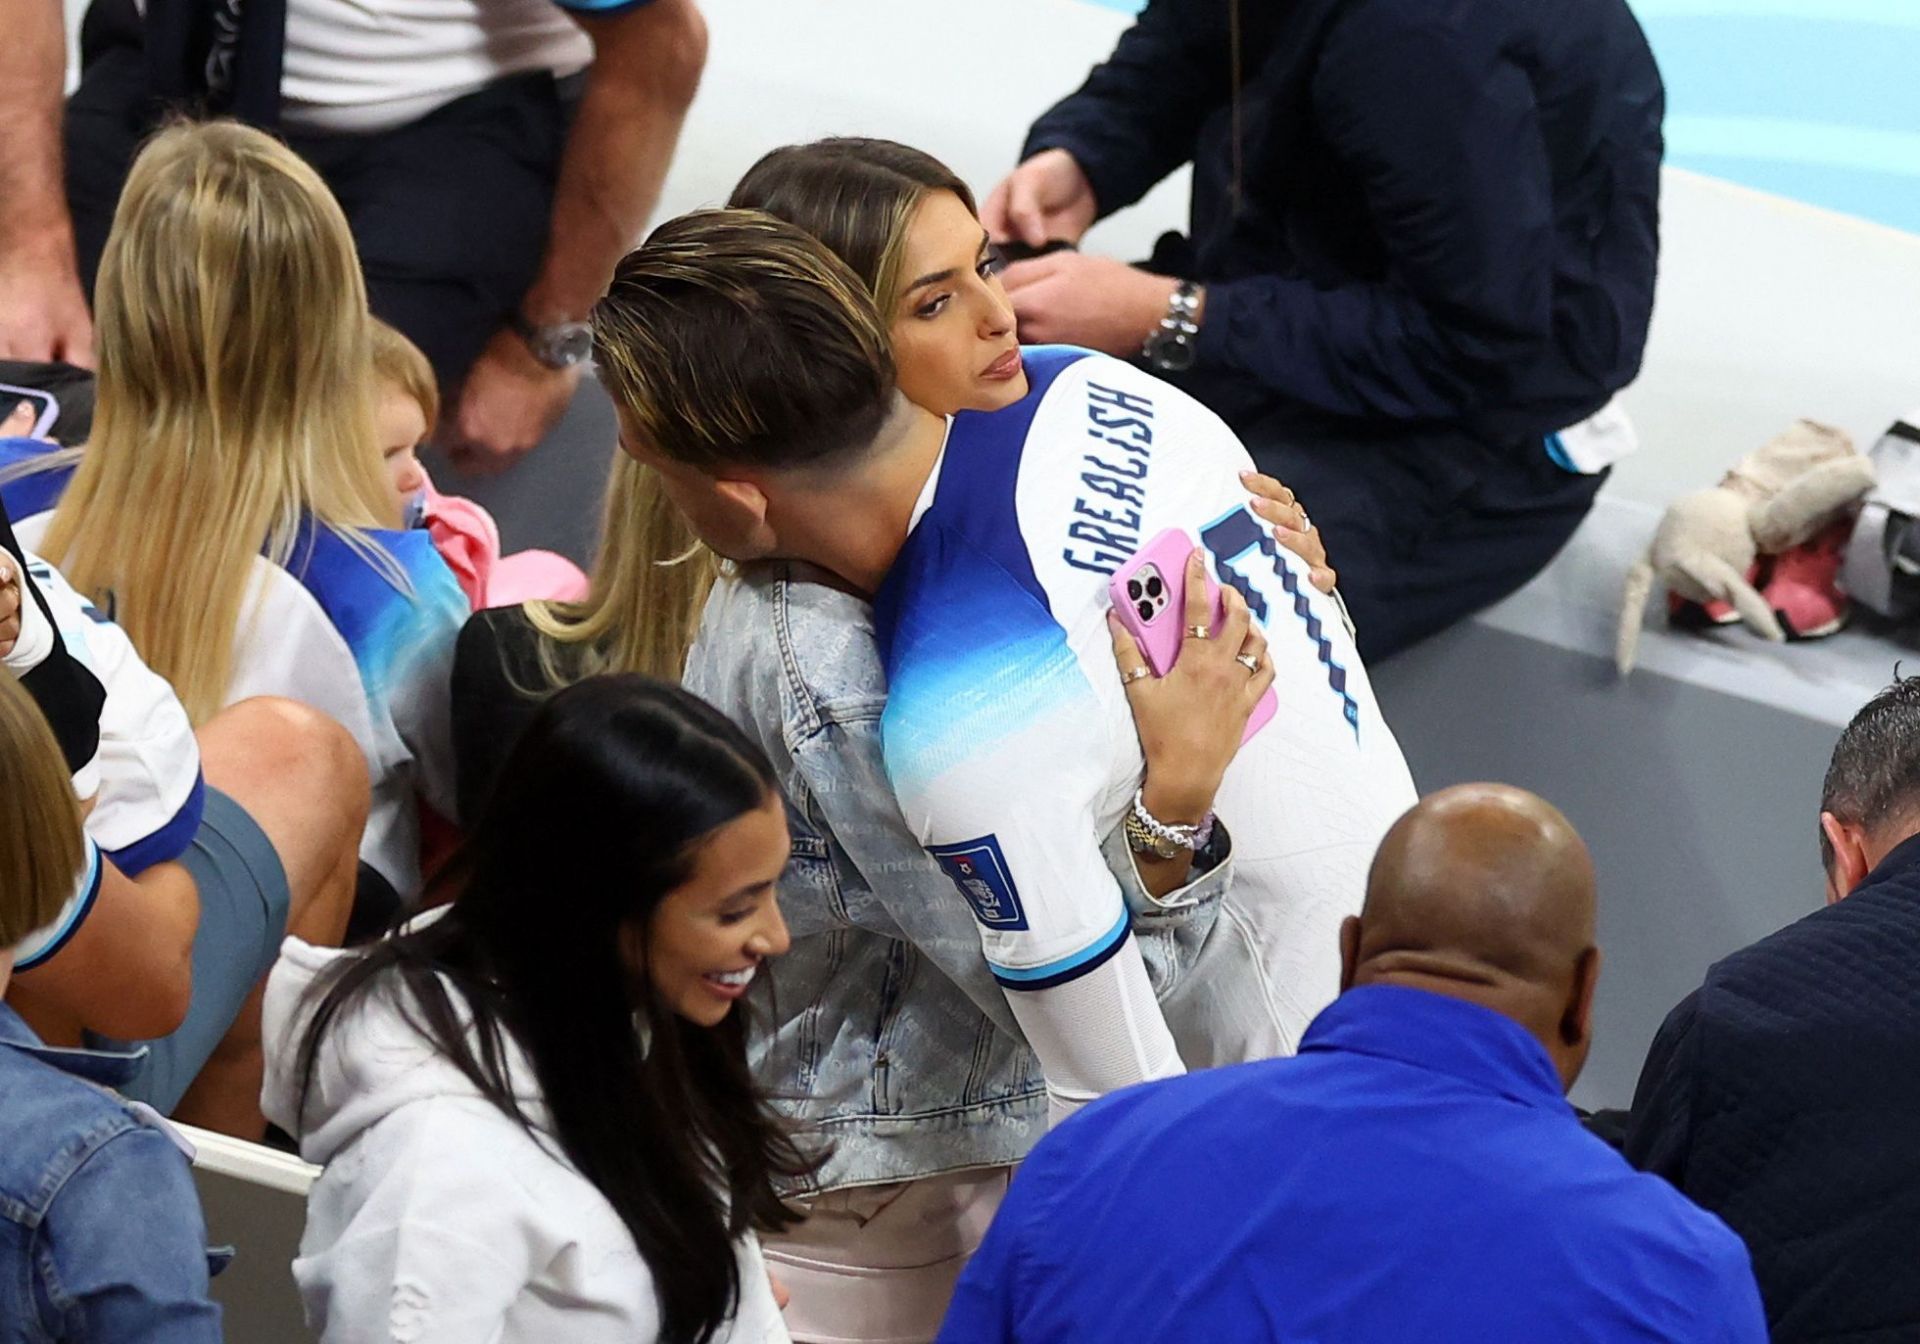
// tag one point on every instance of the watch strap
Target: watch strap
(1147, 834)
(1169, 347)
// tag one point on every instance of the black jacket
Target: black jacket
(1448, 211)
(1784, 1095)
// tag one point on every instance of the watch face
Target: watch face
(1173, 355)
(568, 345)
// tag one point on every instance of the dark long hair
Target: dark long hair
(593, 821)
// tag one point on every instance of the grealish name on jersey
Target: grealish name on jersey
(1122, 425)
(1008, 737)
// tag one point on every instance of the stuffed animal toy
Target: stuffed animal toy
(1779, 497)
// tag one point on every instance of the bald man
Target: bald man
(1415, 1173)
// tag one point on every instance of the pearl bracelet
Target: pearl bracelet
(1171, 837)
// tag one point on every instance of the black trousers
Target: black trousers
(449, 213)
(1425, 525)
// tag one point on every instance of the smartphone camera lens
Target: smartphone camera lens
(1133, 589)
(1146, 611)
(1154, 587)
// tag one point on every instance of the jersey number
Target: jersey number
(1238, 541)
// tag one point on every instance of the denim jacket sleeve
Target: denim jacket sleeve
(844, 774)
(124, 1251)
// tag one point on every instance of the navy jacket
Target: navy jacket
(1784, 1095)
(1448, 212)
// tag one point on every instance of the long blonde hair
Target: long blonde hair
(650, 582)
(652, 575)
(40, 846)
(235, 398)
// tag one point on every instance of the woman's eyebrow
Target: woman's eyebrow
(933, 278)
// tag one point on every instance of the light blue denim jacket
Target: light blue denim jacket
(101, 1236)
(884, 1032)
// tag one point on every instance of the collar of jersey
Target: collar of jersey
(932, 487)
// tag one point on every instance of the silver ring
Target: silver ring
(1135, 674)
(1248, 661)
(1199, 632)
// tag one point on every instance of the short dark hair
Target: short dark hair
(732, 338)
(1874, 776)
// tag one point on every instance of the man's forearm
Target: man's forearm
(33, 67)
(646, 69)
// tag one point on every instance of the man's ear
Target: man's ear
(1349, 951)
(1576, 1021)
(1850, 865)
(745, 496)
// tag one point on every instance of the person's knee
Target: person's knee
(290, 747)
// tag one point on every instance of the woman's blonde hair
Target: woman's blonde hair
(400, 363)
(652, 575)
(235, 398)
(40, 847)
(650, 582)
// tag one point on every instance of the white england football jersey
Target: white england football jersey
(1008, 736)
(332, 631)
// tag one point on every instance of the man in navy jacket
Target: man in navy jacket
(1422, 243)
(1784, 1093)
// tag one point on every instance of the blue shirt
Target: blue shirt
(1414, 1174)
(101, 1236)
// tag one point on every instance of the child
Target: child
(462, 531)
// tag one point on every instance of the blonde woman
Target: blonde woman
(100, 1230)
(231, 509)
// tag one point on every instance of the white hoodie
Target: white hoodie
(439, 1220)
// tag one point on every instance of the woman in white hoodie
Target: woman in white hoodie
(507, 1158)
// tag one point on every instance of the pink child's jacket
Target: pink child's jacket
(469, 541)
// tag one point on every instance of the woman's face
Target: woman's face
(709, 935)
(952, 326)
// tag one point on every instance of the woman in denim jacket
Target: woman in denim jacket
(101, 1236)
(884, 1031)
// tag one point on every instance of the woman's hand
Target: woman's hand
(1274, 503)
(1191, 720)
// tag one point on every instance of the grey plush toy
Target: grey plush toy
(1775, 498)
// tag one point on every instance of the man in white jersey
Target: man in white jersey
(493, 157)
(752, 372)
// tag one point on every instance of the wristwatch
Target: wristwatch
(558, 345)
(1169, 346)
(1147, 834)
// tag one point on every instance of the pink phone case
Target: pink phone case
(1149, 595)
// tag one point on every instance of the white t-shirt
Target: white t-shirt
(1010, 743)
(354, 66)
(329, 630)
(144, 782)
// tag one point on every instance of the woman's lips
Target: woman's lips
(1003, 368)
(730, 984)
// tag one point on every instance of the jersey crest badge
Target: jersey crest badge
(979, 869)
